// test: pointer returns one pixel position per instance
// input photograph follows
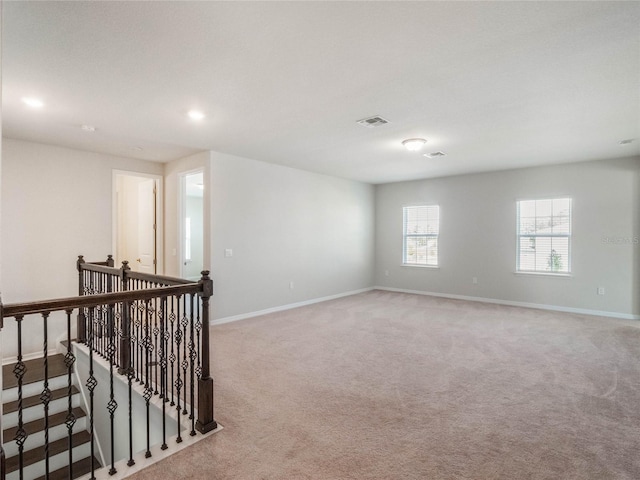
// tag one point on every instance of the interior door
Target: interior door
(146, 251)
(192, 225)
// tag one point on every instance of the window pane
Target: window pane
(527, 208)
(544, 208)
(544, 232)
(410, 250)
(543, 253)
(527, 225)
(561, 206)
(432, 251)
(559, 256)
(420, 221)
(527, 253)
(562, 225)
(421, 251)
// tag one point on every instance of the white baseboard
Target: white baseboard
(556, 308)
(242, 316)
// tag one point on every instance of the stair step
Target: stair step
(38, 425)
(34, 371)
(35, 400)
(35, 455)
(81, 467)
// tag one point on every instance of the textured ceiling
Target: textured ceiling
(494, 85)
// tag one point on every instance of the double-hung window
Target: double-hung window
(544, 236)
(421, 226)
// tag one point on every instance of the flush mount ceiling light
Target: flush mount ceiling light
(88, 128)
(195, 115)
(414, 144)
(33, 102)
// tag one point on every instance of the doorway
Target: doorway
(191, 223)
(137, 220)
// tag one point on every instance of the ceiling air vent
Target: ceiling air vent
(435, 154)
(372, 122)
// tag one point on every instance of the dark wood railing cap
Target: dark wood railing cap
(88, 301)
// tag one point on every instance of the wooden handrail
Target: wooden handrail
(109, 269)
(149, 277)
(88, 301)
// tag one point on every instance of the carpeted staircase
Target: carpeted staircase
(33, 421)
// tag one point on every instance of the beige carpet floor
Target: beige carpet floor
(394, 386)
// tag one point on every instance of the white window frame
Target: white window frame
(568, 236)
(406, 235)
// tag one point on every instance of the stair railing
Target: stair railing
(151, 329)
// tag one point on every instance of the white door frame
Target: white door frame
(182, 211)
(159, 215)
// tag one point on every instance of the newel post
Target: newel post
(205, 422)
(125, 338)
(110, 261)
(81, 324)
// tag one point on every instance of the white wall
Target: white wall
(285, 225)
(478, 235)
(172, 172)
(56, 205)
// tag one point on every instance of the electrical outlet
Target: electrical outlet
(228, 252)
(474, 280)
(291, 285)
(600, 290)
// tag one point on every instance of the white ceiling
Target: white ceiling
(495, 85)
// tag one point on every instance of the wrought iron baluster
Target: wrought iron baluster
(178, 383)
(172, 355)
(19, 370)
(141, 346)
(156, 331)
(148, 391)
(70, 420)
(138, 341)
(112, 405)
(185, 363)
(45, 396)
(192, 361)
(163, 369)
(130, 376)
(91, 385)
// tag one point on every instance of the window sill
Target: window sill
(435, 267)
(544, 274)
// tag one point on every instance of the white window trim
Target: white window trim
(568, 274)
(404, 236)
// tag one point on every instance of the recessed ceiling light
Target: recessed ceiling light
(88, 128)
(414, 144)
(195, 115)
(626, 141)
(434, 154)
(33, 102)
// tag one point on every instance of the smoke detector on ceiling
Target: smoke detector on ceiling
(372, 122)
(435, 154)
